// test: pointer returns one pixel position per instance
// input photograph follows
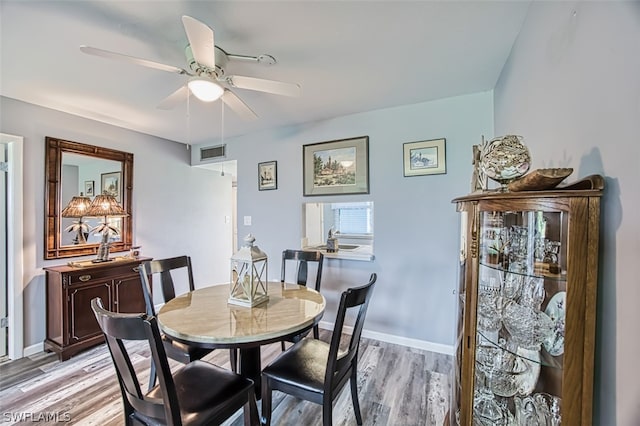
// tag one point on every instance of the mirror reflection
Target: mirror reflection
(76, 174)
(83, 177)
(350, 222)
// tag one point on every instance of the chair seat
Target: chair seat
(203, 389)
(181, 352)
(303, 365)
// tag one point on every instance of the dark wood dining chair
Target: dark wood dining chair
(317, 371)
(163, 268)
(302, 258)
(199, 393)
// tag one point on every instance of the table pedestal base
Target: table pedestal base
(250, 367)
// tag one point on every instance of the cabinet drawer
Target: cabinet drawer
(99, 274)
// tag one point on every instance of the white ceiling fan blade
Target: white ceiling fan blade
(131, 59)
(238, 106)
(262, 85)
(201, 41)
(175, 98)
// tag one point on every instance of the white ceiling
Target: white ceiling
(348, 56)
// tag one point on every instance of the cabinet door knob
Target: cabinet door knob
(84, 278)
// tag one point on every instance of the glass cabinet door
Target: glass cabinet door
(520, 319)
(456, 388)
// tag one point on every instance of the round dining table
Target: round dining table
(205, 318)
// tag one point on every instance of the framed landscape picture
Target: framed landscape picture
(424, 158)
(336, 167)
(110, 184)
(267, 175)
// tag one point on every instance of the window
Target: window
(353, 218)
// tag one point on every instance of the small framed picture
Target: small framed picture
(267, 175)
(110, 184)
(425, 158)
(89, 188)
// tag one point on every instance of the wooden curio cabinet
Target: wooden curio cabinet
(527, 286)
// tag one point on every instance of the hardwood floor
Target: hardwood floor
(397, 386)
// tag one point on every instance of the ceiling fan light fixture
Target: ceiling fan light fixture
(205, 90)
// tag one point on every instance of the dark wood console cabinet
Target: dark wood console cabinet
(71, 325)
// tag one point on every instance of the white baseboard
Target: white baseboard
(383, 337)
(33, 349)
(397, 340)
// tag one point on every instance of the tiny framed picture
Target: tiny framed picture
(424, 158)
(267, 175)
(89, 186)
(110, 184)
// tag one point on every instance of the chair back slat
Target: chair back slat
(163, 268)
(303, 257)
(353, 298)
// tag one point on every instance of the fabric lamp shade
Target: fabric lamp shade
(106, 205)
(77, 207)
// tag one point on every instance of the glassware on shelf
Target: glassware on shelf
(489, 300)
(506, 375)
(528, 327)
(507, 369)
(528, 413)
(489, 312)
(494, 242)
(551, 256)
(552, 248)
(518, 242)
(487, 409)
(532, 292)
(540, 249)
(512, 286)
(538, 409)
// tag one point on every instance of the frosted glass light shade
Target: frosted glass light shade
(205, 90)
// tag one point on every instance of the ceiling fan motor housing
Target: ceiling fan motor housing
(221, 60)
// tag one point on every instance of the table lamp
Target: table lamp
(105, 206)
(77, 208)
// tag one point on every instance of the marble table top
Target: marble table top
(204, 316)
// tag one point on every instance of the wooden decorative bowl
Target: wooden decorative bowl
(540, 180)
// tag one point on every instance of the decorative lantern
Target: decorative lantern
(248, 285)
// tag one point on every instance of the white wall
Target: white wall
(572, 88)
(178, 209)
(416, 226)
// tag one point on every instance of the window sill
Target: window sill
(362, 253)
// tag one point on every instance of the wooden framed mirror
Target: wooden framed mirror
(77, 169)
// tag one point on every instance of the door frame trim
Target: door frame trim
(15, 261)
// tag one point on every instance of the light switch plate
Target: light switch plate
(247, 221)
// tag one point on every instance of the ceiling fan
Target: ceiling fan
(207, 78)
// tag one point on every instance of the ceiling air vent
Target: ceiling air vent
(213, 152)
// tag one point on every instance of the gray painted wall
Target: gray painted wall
(416, 226)
(178, 209)
(572, 88)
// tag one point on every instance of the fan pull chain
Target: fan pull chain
(189, 117)
(222, 134)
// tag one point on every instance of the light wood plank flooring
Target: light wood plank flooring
(398, 386)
